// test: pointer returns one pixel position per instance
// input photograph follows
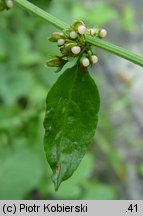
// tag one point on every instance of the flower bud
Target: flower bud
(102, 33)
(73, 34)
(82, 29)
(56, 61)
(66, 50)
(94, 59)
(77, 24)
(92, 31)
(56, 36)
(76, 50)
(9, 3)
(85, 62)
(61, 42)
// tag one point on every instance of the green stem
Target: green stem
(94, 41)
(136, 59)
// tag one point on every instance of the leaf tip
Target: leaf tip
(57, 181)
(57, 177)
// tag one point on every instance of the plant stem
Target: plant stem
(136, 59)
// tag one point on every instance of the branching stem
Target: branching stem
(136, 59)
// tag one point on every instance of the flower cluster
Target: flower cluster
(6, 4)
(72, 43)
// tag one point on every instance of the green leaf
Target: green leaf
(70, 121)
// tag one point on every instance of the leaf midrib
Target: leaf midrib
(67, 109)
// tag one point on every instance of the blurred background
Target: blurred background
(113, 165)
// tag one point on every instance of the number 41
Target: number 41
(132, 208)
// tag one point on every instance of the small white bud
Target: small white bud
(92, 31)
(73, 34)
(94, 59)
(9, 3)
(103, 33)
(85, 62)
(76, 50)
(61, 41)
(82, 29)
